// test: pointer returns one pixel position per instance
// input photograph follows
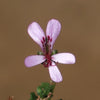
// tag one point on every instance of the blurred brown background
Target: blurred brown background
(80, 35)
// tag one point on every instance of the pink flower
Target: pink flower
(46, 44)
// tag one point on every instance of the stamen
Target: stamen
(44, 39)
(46, 51)
(48, 37)
(41, 41)
(51, 40)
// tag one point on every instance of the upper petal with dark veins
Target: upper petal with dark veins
(36, 33)
(53, 30)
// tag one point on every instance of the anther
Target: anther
(48, 37)
(43, 39)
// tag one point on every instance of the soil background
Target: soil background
(80, 35)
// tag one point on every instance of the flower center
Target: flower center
(47, 62)
(47, 51)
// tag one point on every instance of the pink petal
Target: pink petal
(36, 33)
(53, 30)
(65, 58)
(34, 60)
(55, 73)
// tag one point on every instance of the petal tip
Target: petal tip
(57, 80)
(73, 59)
(25, 62)
(54, 20)
(30, 27)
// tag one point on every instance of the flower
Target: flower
(46, 44)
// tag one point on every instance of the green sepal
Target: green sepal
(39, 53)
(54, 52)
(44, 89)
(33, 96)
